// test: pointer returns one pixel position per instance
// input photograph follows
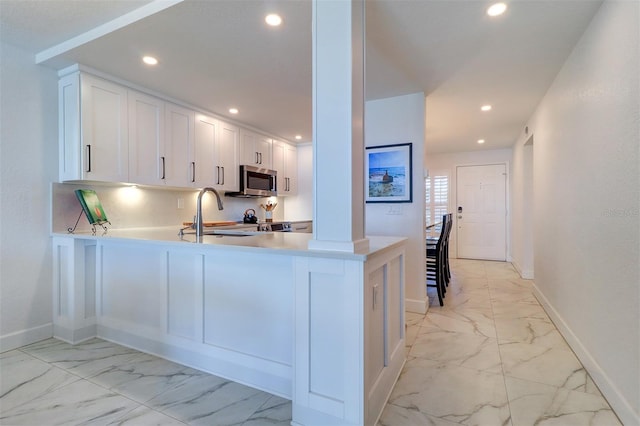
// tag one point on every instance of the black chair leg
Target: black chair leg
(435, 274)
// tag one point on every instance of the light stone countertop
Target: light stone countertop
(285, 243)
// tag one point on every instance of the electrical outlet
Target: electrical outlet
(181, 203)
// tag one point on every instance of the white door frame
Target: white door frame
(454, 201)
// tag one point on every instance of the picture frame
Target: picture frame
(388, 174)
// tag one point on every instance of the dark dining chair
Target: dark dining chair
(436, 272)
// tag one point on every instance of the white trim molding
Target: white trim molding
(622, 407)
(21, 338)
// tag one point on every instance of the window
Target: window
(436, 200)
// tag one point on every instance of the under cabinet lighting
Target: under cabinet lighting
(497, 9)
(150, 60)
(298, 137)
(273, 19)
(480, 141)
(485, 108)
(233, 110)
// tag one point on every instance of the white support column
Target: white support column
(338, 122)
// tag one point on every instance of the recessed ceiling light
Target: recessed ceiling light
(485, 108)
(273, 19)
(233, 110)
(298, 137)
(481, 141)
(497, 9)
(150, 60)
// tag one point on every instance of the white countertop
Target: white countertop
(286, 243)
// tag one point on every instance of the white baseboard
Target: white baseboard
(622, 407)
(260, 373)
(74, 336)
(21, 338)
(526, 274)
(418, 306)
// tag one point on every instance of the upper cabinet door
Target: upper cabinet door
(264, 148)
(147, 159)
(291, 166)
(179, 145)
(285, 162)
(105, 143)
(278, 166)
(204, 171)
(228, 148)
(255, 149)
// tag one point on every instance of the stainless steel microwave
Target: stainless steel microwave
(256, 182)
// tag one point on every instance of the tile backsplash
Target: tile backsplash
(136, 206)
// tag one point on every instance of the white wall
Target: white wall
(300, 207)
(28, 158)
(587, 203)
(522, 206)
(449, 162)
(387, 122)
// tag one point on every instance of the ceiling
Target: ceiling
(217, 54)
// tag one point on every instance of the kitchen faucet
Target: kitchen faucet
(198, 222)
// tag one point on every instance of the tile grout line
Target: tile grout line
(113, 391)
(504, 376)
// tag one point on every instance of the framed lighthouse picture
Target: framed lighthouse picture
(388, 174)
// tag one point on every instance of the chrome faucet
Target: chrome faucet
(198, 221)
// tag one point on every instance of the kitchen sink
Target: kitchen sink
(234, 232)
(225, 232)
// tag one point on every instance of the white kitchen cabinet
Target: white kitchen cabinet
(179, 141)
(227, 156)
(204, 171)
(147, 159)
(215, 155)
(255, 149)
(285, 162)
(93, 129)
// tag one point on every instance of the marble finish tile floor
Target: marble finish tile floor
(101, 383)
(490, 356)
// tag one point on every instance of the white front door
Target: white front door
(481, 212)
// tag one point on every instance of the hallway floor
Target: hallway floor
(490, 356)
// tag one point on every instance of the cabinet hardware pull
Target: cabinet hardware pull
(193, 171)
(260, 157)
(256, 157)
(163, 169)
(88, 158)
(222, 175)
(217, 175)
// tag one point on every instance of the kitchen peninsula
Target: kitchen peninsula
(322, 328)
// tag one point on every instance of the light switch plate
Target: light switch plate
(395, 209)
